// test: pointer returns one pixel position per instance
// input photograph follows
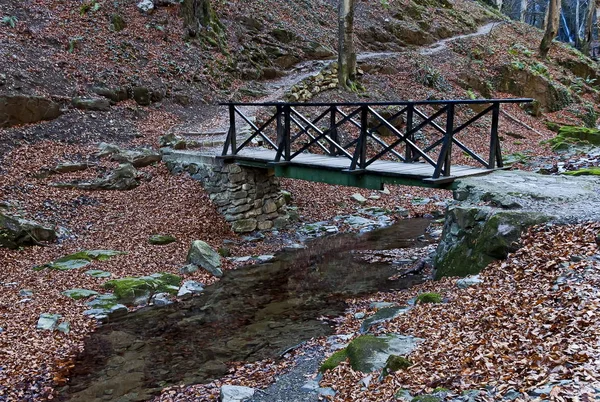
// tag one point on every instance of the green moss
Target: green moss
(334, 360)
(550, 125)
(127, 290)
(79, 293)
(395, 363)
(586, 134)
(429, 298)
(591, 171)
(440, 389)
(426, 398)
(159, 240)
(361, 348)
(79, 259)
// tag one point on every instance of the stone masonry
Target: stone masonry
(249, 198)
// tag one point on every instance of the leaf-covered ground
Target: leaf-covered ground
(516, 330)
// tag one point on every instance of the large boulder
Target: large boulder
(475, 236)
(98, 104)
(552, 96)
(25, 109)
(368, 353)
(16, 232)
(202, 255)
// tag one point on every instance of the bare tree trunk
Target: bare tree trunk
(346, 52)
(552, 23)
(586, 41)
(198, 15)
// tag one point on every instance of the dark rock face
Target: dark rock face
(16, 232)
(24, 109)
(551, 95)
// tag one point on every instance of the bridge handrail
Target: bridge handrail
(286, 115)
(394, 103)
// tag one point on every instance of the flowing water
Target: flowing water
(252, 313)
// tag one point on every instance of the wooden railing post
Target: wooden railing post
(445, 158)
(333, 132)
(410, 109)
(230, 141)
(495, 157)
(364, 117)
(280, 133)
(287, 131)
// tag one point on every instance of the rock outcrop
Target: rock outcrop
(16, 231)
(25, 109)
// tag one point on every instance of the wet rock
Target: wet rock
(124, 178)
(161, 299)
(359, 221)
(359, 198)
(79, 293)
(25, 109)
(160, 240)
(264, 258)
(310, 386)
(189, 289)
(188, 269)
(380, 305)
(202, 255)
(25, 292)
(97, 273)
(327, 392)
(469, 281)
(48, 322)
(64, 327)
(235, 393)
(16, 232)
(382, 315)
(97, 104)
(138, 290)
(145, 6)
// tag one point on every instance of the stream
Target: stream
(252, 313)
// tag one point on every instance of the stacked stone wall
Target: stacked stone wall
(249, 198)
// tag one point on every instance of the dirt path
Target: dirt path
(213, 132)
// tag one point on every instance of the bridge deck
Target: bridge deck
(385, 169)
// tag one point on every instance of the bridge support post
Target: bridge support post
(495, 158)
(445, 158)
(333, 132)
(409, 153)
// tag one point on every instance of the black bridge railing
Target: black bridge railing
(350, 130)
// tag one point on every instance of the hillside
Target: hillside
(104, 71)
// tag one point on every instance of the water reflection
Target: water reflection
(251, 314)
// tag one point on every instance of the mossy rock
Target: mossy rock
(361, 350)
(396, 363)
(426, 398)
(138, 290)
(473, 237)
(591, 171)
(79, 259)
(160, 240)
(585, 134)
(429, 297)
(334, 360)
(77, 294)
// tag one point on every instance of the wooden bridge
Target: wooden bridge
(344, 143)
